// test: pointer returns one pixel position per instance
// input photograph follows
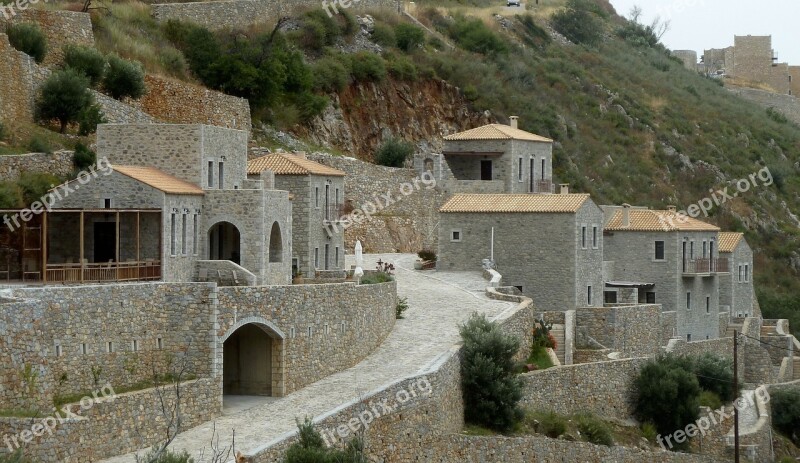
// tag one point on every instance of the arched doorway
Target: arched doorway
(224, 242)
(275, 244)
(247, 367)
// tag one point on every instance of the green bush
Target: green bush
(167, 456)
(408, 36)
(715, 374)
(394, 152)
(475, 36)
(402, 68)
(63, 96)
(638, 35)
(491, 388)
(124, 78)
(39, 144)
(427, 255)
(10, 196)
(551, 424)
(709, 399)
(377, 277)
(595, 430)
(83, 158)
(384, 36)
(578, 22)
(34, 185)
(368, 67)
(86, 60)
(89, 118)
(402, 306)
(29, 39)
(777, 116)
(786, 412)
(311, 448)
(649, 431)
(667, 393)
(319, 30)
(330, 74)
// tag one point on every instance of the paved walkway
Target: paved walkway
(438, 303)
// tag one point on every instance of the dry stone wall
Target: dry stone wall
(787, 105)
(625, 328)
(58, 164)
(61, 28)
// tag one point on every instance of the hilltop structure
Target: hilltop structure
(752, 59)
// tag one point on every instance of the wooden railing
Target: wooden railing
(706, 265)
(111, 271)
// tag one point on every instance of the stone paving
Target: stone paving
(438, 303)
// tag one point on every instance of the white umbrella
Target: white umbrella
(359, 272)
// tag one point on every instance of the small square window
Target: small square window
(650, 297)
(455, 235)
(659, 250)
(107, 203)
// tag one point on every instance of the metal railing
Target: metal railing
(705, 266)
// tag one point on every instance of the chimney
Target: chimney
(672, 208)
(564, 188)
(626, 215)
(300, 154)
(512, 121)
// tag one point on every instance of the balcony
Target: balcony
(334, 213)
(542, 186)
(705, 267)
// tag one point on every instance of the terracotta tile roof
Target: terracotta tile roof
(499, 203)
(159, 180)
(729, 240)
(496, 132)
(290, 164)
(658, 220)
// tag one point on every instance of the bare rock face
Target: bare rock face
(364, 115)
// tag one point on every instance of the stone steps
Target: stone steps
(558, 334)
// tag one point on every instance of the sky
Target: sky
(703, 24)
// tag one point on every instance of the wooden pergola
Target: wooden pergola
(25, 251)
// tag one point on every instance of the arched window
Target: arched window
(275, 244)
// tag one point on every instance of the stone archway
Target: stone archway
(252, 359)
(224, 242)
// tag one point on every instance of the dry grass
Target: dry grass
(738, 82)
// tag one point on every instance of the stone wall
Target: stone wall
(626, 328)
(325, 328)
(179, 102)
(118, 425)
(119, 112)
(239, 14)
(408, 224)
(58, 164)
(688, 57)
(18, 92)
(788, 105)
(758, 364)
(60, 28)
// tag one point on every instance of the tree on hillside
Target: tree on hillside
(579, 22)
(123, 78)
(63, 96)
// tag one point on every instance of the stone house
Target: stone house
(497, 158)
(672, 260)
(549, 246)
(174, 205)
(736, 294)
(318, 202)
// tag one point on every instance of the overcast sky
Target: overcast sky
(702, 24)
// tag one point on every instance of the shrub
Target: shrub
(318, 30)
(311, 448)
(29, 39)
(715, 374)
(667, 394)
(167, 456)
(394, 152)
(408, 36)
(551, 425)
(786, 412)
(427, 255)
(402, 306)
(330, 75)
(491, 388)
(34, 185)
(86, 60)
(377, 277)
(578, 22)
(649, 431)
(638, 35)
(777, 116)
(595, 431)
(63, 96)
(403, 68)
(123, 78)
(38, 144)
(83, 157)
(384, 36)
(474, 35)
(368, 67)
(89, 118)
(709, 399)
(10, 196)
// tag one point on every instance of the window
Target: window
(107, 203)
(336, 257)
(327, 199)
(221, 175)
(316, 196)
(84, 348)
(589, 295)
(291, 333)
(704, 249)
(110, 347)
(211, 174)
(691, 249)
(594, 237)
(135, 345)
(689, 301)
(543, 168)
(659, 248)
(650, 297)
(310, 332)
(159, 343)
(519, 170)
(173, 244)
(58, 350)
(689, 338)
(741, 272)
(316, 258)
(583, 236)
(746, 273)
(610, 297)
(327, 256)
(708, 304)
(194, 235)
(184, 236)
(455, 235)
(486, 169)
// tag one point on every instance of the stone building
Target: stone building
(794, 78)
(672, 260)
(688, 57)
(498, 158)
(318, 202)
(174, 205)
(736, 294)
(751, 59)
(549, 246)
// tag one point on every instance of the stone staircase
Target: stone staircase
(558, 333)
(731, 327)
